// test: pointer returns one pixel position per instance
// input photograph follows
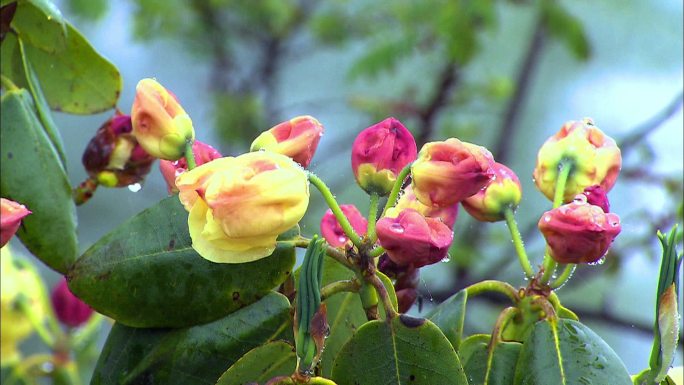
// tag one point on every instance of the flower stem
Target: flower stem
(372, 218)
(518, 243)
(37, 323)
(390, 311)
(549, 264)
(394, 194)
(494, 286)
(335, 207)
(8, 83)
(376, 252)
(189, 155)
(351, 285)
(564, 276)
(332, 252)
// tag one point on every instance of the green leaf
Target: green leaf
(87, 82)
(31, 174)
(345, 312)
(406, 350)
(42, 107)
(567, 352)
(497, 368)
(11, 63)
(261, 364)
(449, 316)
(40, 24)
(145, 273)
(190, 356)
(471, 345)
(381, 57)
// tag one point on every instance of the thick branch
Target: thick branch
(509, 124)
(637, 134)
(447, 81)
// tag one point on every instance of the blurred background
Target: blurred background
(503, 74)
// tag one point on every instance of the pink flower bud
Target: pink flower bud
(113, 157)
(450, 171)
(332, 231)
(502, 192)
(379, 153)
(412, 239)
(69, 310)
(297, 138)
(594, 156)
(579, 232)
(11, 214)
(170, 169)
(597, 196)
(408, 200)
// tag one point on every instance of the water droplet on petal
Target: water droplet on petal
(397, 228)
(135, 187)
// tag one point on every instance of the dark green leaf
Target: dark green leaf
(495, 368)
(145, 273)
(261, 364)
(87, 82)
(31, 174)
(406, 350)
(190, 356)
(449, 317)
(345, 312)
(42, 107)
(567, 352)
(11, 64)
(40, 24)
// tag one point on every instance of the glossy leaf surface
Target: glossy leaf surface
(190, 356)
(406, 350)
(569, 353)
(32, 174)
(145, 273)
(260, 364)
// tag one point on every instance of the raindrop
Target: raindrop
(446, 259)
(547, 218)
(600, 261)
(397, 228)
(342, 239)
(47, 367)
(135, 187)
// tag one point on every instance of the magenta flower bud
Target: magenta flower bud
(579, 232)
(332, 231)
(410, 239)
(408, 200)
(597, 196)
(69, 310)
(450, 171)
(113, 157)
(170, 169)
(297, 138)
(11, 214)
(501, 193)
(379, 153)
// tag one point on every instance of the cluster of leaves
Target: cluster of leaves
(46, 65)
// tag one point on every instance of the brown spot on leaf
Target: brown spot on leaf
(172, 244)
(411, 322)
(236, 296)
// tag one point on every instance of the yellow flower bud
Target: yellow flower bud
(595, 159)
(238, 206)
(17, 283)
(160, 124)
